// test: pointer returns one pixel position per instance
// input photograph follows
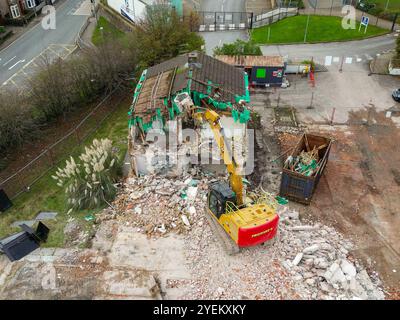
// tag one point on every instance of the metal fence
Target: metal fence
(382, 21)
(272, 16)
(25, 177)
(202, 21)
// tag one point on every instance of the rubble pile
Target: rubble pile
(157, 205)
(304, 262)
(317, 256)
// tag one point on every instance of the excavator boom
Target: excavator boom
(236, 182)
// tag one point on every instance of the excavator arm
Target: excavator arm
(236, 182)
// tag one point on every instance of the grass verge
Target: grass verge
(320, 29)
(45, 195)
(109, 31)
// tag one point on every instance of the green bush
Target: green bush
(2, 29)
(238, 48)
(16, 122)
(398, 47)
(89, 183)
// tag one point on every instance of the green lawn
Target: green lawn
(320, 29)
(109, 31)
(381, 5)
(45, 195)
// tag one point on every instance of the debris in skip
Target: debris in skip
(304, 166)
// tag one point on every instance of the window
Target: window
(215, 205)
(261, 73)
(15, 11)
(30, 4)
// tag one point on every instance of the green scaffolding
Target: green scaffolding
(173, 111)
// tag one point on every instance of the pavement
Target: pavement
(365, 50)
(217, 38)
(341, 92)
(70, 17)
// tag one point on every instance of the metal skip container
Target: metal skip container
(304, 167)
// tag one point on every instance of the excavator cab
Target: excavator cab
(219, 195)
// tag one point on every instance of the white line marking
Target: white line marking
(349, 60)
(18, 62)
(328, 60)
(9, 61)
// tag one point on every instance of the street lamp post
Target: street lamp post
(305, 33)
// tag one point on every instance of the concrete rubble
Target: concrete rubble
(157, 221)
(308, 261)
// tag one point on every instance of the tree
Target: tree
(162, 35)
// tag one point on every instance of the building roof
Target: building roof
(252, 61)
(172, 76)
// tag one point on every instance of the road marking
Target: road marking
(34, 27)
(349, 60)
(328, 60)
(9, 61)
(18, 62)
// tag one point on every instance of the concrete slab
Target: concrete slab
(46, 216)
(29, 223)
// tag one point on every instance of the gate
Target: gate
(202, 21)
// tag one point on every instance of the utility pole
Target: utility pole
(394, 21)
(94, 8)
(341, 65)
(305, 33)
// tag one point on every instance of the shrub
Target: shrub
(239, 48)
(16, 123)
(398, 47)
(89, 183)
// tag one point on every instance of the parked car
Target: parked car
(396, 95)
(365, 6)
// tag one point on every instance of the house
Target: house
(262, 70)
(16, 9)
(134, 10)
(168, 94)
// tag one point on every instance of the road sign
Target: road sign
(364, 22)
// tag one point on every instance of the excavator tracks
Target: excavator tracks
(229, 245)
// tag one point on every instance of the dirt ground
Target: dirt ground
(359, 191)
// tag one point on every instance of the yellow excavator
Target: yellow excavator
(247, 223)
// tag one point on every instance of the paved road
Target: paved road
(362, 50)
(214, 39)
(35, 41)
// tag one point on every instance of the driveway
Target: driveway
(70, 16)
(217, 38)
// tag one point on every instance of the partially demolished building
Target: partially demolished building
(165, 99)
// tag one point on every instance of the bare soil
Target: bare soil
(359, 191)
